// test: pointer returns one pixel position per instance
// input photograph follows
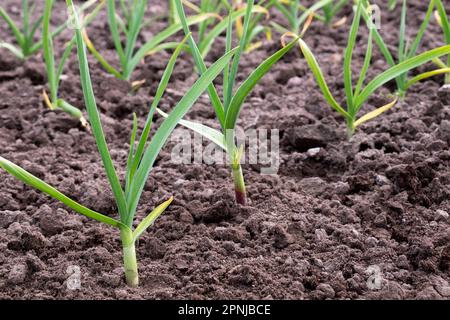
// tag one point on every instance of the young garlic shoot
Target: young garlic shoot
(140, 159)
(443, 20)
(331, 10)
(295, 14)
(392, 4)
(405, 52)
(206, 6)
(228, 108)
(213, 7)
(54, 73)
(357, 95)
(128, 56)
(207, 37)
(26, 44)
(255, 27)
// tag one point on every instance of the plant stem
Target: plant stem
(350, 128)
(129, 257)
(239, 184)
(401, 93)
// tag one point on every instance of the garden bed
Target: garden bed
(333, 222)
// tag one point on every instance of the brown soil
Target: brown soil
(315, 231)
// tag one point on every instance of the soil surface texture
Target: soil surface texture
(365, 218)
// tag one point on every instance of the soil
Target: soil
(361, 219)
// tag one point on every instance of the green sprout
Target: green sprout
(54, 73)
(25, 35)
(206, 36)
(206, 6)
(443, 21)
(296, 14)
(405, 52)
(255, 27)
(356, 95)
(228, 108)
(130, 27)
(392, 4)
(140, 159)
(332, 9)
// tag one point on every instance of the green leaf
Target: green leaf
(413, 50)
(133, 31)
(366, 64)
(62, 62)
(318, 74)
(131, 154)
(402, 34)
(105, 64)
(426, 75)
(445, 27)
(94, 117)
(167, 46)
(111, 9)
(397, 70)
(86, 5)
(288, 15)
(16, 51)
(159, 94)
(373, 114)
(40, 185)
(226, 72)
(68, 108)
(215, 100)
(246, 87)
(392, 4)
(166, 128)
(379, 41)
(209, 133)
(279, 27)
(348, 84)
(49, 53)
(315, 7)
(237, 56)
(162, 36)
(14, 28)
(444, 20)
(205, 45)
(150, 219)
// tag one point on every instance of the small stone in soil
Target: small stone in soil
(324, 291)
(382, 180)
(6, 218)
(380, 220)
(444, 94)
(306, 137)
(444, 130)
(313, 152)
(181, 265)
(50, 225)
(186, 217)
(282, 239)
(18, 273)
(441, 215)
(313, 185)
(34, 263)
(402, 262)
(429, 293)
(320, 235)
